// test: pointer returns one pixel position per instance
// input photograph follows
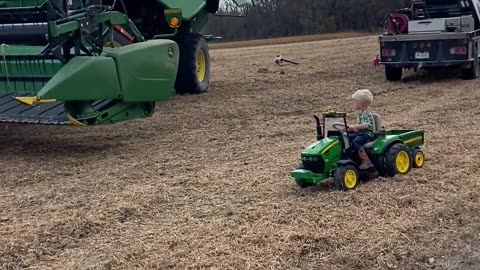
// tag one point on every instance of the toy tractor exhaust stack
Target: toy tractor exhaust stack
(83, 62)
(319, 128)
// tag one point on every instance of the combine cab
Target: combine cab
(92, 62)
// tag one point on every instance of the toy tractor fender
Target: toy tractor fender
(346, 162)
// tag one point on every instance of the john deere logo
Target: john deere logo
(170, 52)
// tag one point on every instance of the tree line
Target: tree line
(281, 18)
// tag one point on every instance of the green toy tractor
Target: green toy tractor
(94, 62)
(392, 152)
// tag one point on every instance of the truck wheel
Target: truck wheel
(398, 160)
(393, 73)
(194, 68)
(472, 72)
(346, 177)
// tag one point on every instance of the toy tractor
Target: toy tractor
(95, 62)
(392, 152)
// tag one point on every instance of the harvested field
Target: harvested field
(205, 182)
(286, 40)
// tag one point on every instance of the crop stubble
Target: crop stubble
(205, 182)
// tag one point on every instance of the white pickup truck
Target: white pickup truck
(429, 34)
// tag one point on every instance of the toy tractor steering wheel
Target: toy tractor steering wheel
(339, 126)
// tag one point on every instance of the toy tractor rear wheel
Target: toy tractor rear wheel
(418, 158)
(346, 177)
(380, 165)
(398, 160)
(194, 68)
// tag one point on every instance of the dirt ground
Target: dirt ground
(204, 183)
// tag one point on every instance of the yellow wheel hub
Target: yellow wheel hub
(402, 162)
(350, 179)
(419, 159)
(201, 65)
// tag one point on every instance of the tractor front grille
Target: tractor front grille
(313, 164)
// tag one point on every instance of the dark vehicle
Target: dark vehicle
(432, 33)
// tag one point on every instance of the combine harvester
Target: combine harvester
(84, 62)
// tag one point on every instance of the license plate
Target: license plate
(422, 55)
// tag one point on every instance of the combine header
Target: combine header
(84, 62)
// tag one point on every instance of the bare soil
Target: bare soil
(286, 40)
(205, 182)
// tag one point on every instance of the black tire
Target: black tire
(398, 160)
(212, 6)
(472, 72)
(380, 165)
(342, 180)
(418, 158)
(393, 73)
(303, 184)
(192, 46)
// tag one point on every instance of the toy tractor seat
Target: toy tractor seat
(379, 130)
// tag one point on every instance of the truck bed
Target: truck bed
(428, 49)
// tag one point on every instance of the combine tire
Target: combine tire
(393, 73)
(194, 68)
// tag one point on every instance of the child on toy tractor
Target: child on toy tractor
(363, 131)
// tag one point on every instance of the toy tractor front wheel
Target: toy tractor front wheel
(346, 177)
(194, 68)
(303, 184)
(398, 160)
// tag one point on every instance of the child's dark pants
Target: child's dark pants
(359, 139)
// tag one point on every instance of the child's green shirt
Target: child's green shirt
(366, 117)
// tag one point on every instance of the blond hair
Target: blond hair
(364, 95)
